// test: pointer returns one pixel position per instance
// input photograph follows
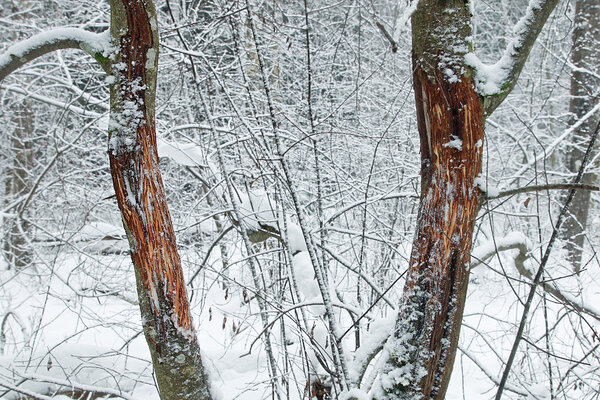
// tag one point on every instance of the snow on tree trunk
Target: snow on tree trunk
(450, 121)
(584, 94)
(140, 193)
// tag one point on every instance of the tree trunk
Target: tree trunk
(584, 95)
(450, 123)
(140, 193)
(16, 250)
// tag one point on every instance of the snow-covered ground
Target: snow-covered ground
(74, 320)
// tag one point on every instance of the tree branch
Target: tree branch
(495, 82)
(79, 388)
(28, 393)
(539, 188)
(17, 55)
(514, 241)
(489, 373)
(552, 290)
(387, 36)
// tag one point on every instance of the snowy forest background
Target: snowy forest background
(69, 319)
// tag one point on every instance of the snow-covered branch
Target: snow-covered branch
(496, 81)
(512, 241)
(29, 393)
(17, 55)
(540, 188)
(517, 240)
(74, 387)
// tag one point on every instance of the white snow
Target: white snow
(295, 237)
(305, 277)
(92, 366)
(402, 21)
(455, 143)
(355, 394)
(187, 154)
(538, 391)
(490, 79)
(490, 246)
(256, 208)
(99, 229)
(378, 333)
(484, 184)
(451, 77)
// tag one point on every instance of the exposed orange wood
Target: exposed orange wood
(449, 204)
(450, 121)
(139, 187)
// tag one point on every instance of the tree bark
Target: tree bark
(451, 118)
(584, 95)
(16, 250)
(140, 193)
(450, 122)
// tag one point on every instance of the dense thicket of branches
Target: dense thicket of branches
(288, 139)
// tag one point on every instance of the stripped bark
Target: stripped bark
(450, 121)
(140, 194)
(451, 118)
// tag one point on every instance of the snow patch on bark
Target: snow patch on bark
(455, 143)
(483, 183)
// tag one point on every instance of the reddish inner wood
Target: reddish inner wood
(155, 252)
(449, 205)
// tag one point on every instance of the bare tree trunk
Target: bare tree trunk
(450, 121)
(16, 250)
(141, 197)
(584, 95)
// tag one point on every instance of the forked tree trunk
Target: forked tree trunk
(450, 122)
(141, 197)
(584, 96)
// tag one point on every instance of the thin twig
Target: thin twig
(387, 36)
(539, 188)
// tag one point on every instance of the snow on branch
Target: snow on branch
(517, 240)
(97, 45)
(186, 154)
(72, 369)
(496, 81)
(72, 386)
(540, 188)
(513, 240)
(29, 393)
